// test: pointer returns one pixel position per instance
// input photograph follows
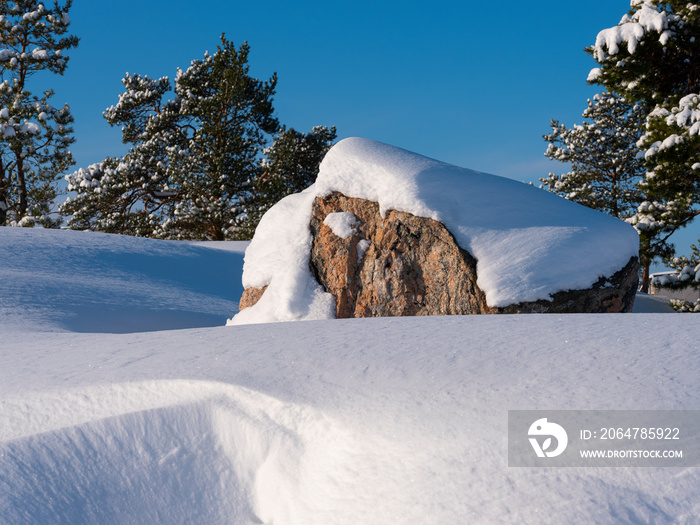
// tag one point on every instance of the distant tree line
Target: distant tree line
(638, 156)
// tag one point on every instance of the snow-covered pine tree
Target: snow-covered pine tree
(132, 194)
(688, 268)
(687, 275)
(602, 153)
(653, 56)
(34, 135)
(193, 161)
(607, 171)
(290, 165)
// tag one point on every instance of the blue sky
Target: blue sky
(455, 81)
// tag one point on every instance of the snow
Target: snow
(343, 224)
(31, 128)
(77, 281)
(594, 74)
(279, 243)
(529, 243)
(40, 54)
(685, 116)
(399, 420)
(630, 31)
(362, 247)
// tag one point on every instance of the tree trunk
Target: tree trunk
(615, 208)
(646, 279)
(21, 182)
(216, 231)
(3, 197)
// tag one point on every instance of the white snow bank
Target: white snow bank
(58, 280)
(171, 451)
(398, 421)
(529, 243)
(278, 257)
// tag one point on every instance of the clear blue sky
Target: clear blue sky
(462, 82)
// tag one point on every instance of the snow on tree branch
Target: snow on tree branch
(630, 30)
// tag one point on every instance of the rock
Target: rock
(406, 265)
(411, 266)
(401, 265)
(324, 255)
(613, 294)
(250, 296)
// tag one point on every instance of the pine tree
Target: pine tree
(195, 169)
(653, 56)
(608, 174)
(193, 160)
(234, 116)
(131, 194)
(687, 275)
(290, 165)
(602, 153)
(687, 268)
(34, 135)
(652, 53)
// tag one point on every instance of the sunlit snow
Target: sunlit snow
(398, 421)
(342, 224)
(123, 398)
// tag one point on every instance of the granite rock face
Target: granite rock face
(250, 296)
(392, 266)
(401, 265)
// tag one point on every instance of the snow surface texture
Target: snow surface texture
(78, 281)
(529, 243)
(399, 421)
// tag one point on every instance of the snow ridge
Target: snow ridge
(272, 447)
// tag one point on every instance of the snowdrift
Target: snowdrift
(95, 282)
(398, 421)
(351, 421)
(529, 243)
(157, 452)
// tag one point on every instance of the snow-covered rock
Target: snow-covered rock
(528, 244)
